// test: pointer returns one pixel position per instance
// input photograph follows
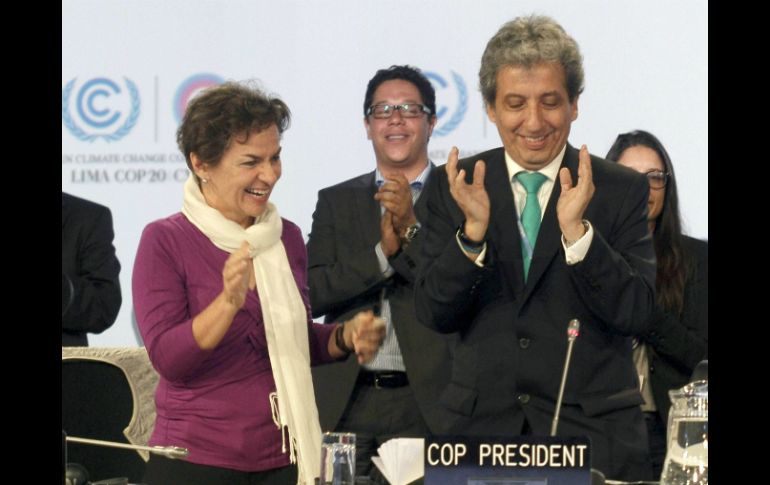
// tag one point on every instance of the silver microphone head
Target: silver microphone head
(173, 452)
(573, 330)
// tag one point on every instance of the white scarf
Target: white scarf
(285, 321)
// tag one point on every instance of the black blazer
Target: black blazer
(675, 345)
(509, 359)
(345, 278)
(90, 286)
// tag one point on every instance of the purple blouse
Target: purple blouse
(213, 402)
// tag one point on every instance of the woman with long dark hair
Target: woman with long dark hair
(677, 338)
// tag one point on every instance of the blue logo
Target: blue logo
(102, 109)
(449, 99)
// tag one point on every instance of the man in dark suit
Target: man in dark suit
(362, 254)
(527, 238)
(90, 286)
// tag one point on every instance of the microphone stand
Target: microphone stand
(573, 330)
(173, 452)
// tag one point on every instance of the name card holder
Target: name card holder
(521, 460)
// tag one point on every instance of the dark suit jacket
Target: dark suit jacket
(513, 342)
(675, 344)
(90, 287)
(345, 278)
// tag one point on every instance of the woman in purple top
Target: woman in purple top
(221, 299)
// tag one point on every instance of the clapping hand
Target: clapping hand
(472, 198)
(237, 276)
(366, 332)
(395, 195)
(574, 200)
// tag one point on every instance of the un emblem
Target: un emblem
(451, 102)
(101, 107)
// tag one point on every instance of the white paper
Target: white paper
(401, 460)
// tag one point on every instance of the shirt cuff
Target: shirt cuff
(385, 268)
(480, 259)
(577, 251)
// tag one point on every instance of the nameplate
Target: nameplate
(521, 460)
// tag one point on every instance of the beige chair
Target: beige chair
(108, 394)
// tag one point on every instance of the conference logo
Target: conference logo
(189, 88)
(451, 101)
(100, 108)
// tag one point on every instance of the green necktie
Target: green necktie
(530, 216)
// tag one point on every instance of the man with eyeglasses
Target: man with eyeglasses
(523, 239)
(363, 252)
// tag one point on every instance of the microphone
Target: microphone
(573, 330)
(173, 452)
(701, 372)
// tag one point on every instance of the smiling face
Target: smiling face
(645, 160)
(240, 185)
(533, 112)
(400, 144)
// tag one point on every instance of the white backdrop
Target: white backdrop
(129, 66)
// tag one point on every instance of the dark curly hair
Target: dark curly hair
(219, 114)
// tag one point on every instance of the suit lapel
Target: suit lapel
(504, 233)
(421, 206)
(367, 210)
(548, 241)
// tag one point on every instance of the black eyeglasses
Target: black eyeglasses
(408, 110)
(657, 179)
